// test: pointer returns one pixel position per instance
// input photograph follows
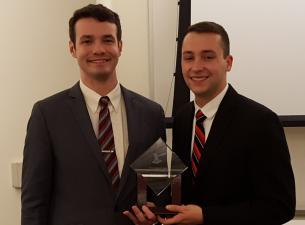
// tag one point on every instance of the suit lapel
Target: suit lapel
(80, 112)
(184, 128)
(134, 134)
(220, 126)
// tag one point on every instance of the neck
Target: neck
(102, 87)
(202, 100)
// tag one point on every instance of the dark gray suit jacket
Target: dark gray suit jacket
(64, 180)
(245, 175)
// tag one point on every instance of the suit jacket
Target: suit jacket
(65, 180)
(245, 175)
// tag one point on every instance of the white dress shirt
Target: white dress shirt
(209, 110)
(118, 117)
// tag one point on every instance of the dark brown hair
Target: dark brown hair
(98, 12)
(212, 27)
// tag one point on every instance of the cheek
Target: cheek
(186, 79)
(78, 54)
(216, 68)
(184, 68)
(114, 51)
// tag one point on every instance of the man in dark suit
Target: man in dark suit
(66, 180)
(244, 174)
(239, 170)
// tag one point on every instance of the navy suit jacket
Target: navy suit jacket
(65, 180)
(245, 175)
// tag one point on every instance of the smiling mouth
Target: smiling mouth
(98, 60)
(199, 78)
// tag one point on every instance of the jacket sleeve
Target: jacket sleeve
(36, 171)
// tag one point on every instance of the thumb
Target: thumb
(175, 208)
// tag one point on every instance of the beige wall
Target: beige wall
(163, 17)
(133, 71)
(34, 63)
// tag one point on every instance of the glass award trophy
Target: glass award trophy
(159, 167)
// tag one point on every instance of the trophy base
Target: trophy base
(162, 212)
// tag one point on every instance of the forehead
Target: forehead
(91, 26)
(197, 42)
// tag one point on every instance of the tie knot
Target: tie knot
(104, 101)
(200, 117)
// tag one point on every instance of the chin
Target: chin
(201, 93)
(198, 90)
(100, 76)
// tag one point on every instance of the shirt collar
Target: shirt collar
(92, 98)
(210, 109)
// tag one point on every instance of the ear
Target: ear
(72, 49)
(120, 46)
(229, 61)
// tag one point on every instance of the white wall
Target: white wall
(267, 42)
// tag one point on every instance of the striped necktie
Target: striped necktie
(106, 141)
(199, 141)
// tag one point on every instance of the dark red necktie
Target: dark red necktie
(106, 141)
(199, 141)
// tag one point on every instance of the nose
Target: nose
(198, 65)
(98, 48)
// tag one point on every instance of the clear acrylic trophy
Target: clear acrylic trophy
(159, 167)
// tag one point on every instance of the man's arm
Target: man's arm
(36, 171)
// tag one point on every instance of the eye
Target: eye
(108, 40)
(188, 57)
(86, 41)
(209, 56)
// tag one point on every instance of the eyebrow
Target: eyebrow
(187, 52)
(85, 37)
(208, 51)
(204, 51)
(108, 36)
(90, 36)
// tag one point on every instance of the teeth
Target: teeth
(198, 78)
(99, 60)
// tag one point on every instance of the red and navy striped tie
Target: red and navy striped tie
(199, 141)
(106, 141)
